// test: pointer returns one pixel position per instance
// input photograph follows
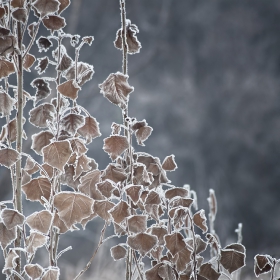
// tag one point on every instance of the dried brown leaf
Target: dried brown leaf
(181, 192)
(174, 242)
(42, 64)
(142, 134)
(63, 5)
(232, 260)
(34, 241)
(17, 3)
(43, 43)
(42, 114)
(41, 140)
(166, 272)
(118, 252)
(137, 223)
(199, 220)
(46, 7)
(115, 145)
(133, 192)
(262, 264)
(10, 261)
(6, 68)
(2, 12)
(208, 272)
(183, 259)
(169, 163)
(8, 157)
(29, 60)
(34, 271)
(6, 103)
(160, 232)
(142, 242)
(20, 14)
(40, 221)
(90, 129)
(153, 198)
(102, 208)
(78, 146)
(42, 89)
(82, 165)
(59, 224)
(106, 187)
(11, 218)
(72, 122)
(51, 274)
(114, 173)
(69, 89)
(67, 177)
(54, 23)
(7, 236)
(120, 212)
(152, 273)
(84, 73)
(88, 184)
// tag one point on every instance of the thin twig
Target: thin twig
(136, 263)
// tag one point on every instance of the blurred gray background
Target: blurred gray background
(207, 79)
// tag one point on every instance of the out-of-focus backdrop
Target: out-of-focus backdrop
(207, 79)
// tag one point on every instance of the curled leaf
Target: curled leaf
(43, 44)
(20, 14)
(232, 260)
(29, 60)
(42, 89)
(42, 64)
(199, 220)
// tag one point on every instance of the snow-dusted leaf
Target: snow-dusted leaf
(72, 122)
(166, 272)
(171, 193)
(34, 241)
(37, 188)
(114, 173)
(10, 261)
(84, 73)
(160, 232)
(137, 223)
(10, 131)
(115, 145)
(184, 202)
(8, 157)
(34, 271)
(152, 273)
(43, 44)
(90, 129)
(42, 114)
(46, 7)
(29, 60)
(65, 62)
(42, 64)
(40, 221)
(153, 198)
(54, 23)
(207, 271)
(7, 236)
(184, 256)
(73, 207)
(69, 89)
(59, 224)
(63, 5)
(82, 165)
(152, 210)
(169, 163)
(142, 242)
(142, 134)
(102, 208)
(106, 187)
(7, 47)
(67, 177)
(174, 242)
(120, 211)
(6, 103)
(199, 220)
(78, 146)
(57, 154)
(116, 89)
(232, 260)
(11, 218)
(118, 252)
(40, 140)
(262, 264)
(201, 245)
(133, 191)
(52, 273)
(42, 89)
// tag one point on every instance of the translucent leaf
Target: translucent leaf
(6, 68)
(29, 60)
(237, 247)
(54, 23)
(102, 208)
(137, 223)
(6, 103)
(59, 224)
(166, 272)
(40, 115)
(152, 273)
(90, 129)
(207, 271)
(118, 252)
(20, 14)
(10, 261)
(63, 5)
(11, 218)
(40, 221)
(8, 157)
(72, 122)
(43, 44)
(114, 173)
(174, 242)
(34, 241)
(46, 7)
(84, 73)
(69, 89)
(41, 140)
(73, 207)
(106, 187)
(57, 154)
(34, 271)
(133, 192)
(42, 64)
(7, 236)
(37, 188)
(199, 220)
(181, 192)
(116, 89)
(262, 264)
(115, 145)
(51, 274)
(120, 212)
(88, 184)
(184, 258)
(232, 260)
(152, 198)
(142, 242)
(169, 163)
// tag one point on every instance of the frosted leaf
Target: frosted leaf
(37, 188)
(88, 40)
(201, 245)
(156, 252)
(116, 89)
(137, 223)
(84, 73)
(20, 15)
(2, 12)
(4, 32)
(6, 68)
(115, 145)
(30, 166)
(42, 65)
(54, 23)
(118, 252)
(72, 122)
(59, 224)
(75, 40)
(69, 89)
(160, 232)
(152, 273)
(7, 236)
(31, 29)
(166, 272)
(237, 247)
(212, 204)
(57, 154)
(11, 218)
(88, 219)
(142, 134)
(41, 140)
(25, 177)
(152, 210)
(88, 184)
(262, 264)
(141, 176)
(114, 173)
(133, 192)
(40, 221)
(8, 157)
(46, 7)
(142, 242)
(78, 146)
(6, 103)
(10, 131)
(169, 163)
(102, 208)
(43, 44)
(171, 193)
(184, 257)
(40, 115)
(120, 212)
(34, 271)
(82, 165)
(119, 231)
(152, 198)
(10, 261)
(199, 220)
(29, 60)
(65, 62)
(49, 170)
(42, 89)
(63, 5)
(34, 241)
(90, 129)
(72, 207)
(18, 3)
(52, 273)
(207, 271)
(179, 201)
(232, 260)
(174, 242)
(67, 177)
(106, 187)
(7, 47)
